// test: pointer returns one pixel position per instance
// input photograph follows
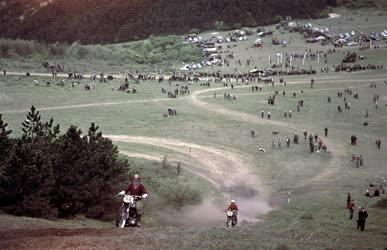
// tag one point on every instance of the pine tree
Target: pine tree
(32, 125)
(93, 133)
(5, 141)
(69, 168)
(3, 129)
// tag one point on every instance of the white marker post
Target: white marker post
(289, 196)
(212, 194)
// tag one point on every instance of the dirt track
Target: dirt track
(223, 168)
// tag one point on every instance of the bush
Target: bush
(19, 48)
(57, 50)
(177, 193)
(220, 26)
(277, 19)
(194, 31)
(237, 26)
(324, 14)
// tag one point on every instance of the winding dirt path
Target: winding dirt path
(231, 172)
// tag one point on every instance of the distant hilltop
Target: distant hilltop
(107, 21)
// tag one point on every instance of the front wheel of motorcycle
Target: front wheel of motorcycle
(122, 222)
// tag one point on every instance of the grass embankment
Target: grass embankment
(77, 57)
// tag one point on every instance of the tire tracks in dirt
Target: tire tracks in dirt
(229, 171)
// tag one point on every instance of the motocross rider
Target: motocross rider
(137, 189)
(233, 207)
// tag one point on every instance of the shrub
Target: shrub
(324, 14)
(177, 193)
(219, 25)
(194, 31)
(277, 19)
(237, 26)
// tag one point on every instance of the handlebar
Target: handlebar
(134, 196)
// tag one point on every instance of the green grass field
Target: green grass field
(315, 218)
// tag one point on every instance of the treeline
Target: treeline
(150, 51)
(354, 4)
(103, 21)
(46, 174)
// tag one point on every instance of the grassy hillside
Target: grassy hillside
(123, 20)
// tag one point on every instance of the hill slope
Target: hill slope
(92, 21)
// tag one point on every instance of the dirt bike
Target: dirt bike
(127, 215)
(231, 218)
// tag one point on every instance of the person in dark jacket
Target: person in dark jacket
(362, 217)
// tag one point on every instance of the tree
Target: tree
(5, 141)
(31, 125)
(27, 178)
(68, 172)
(43, 174)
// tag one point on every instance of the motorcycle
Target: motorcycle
(231, 218)
(127, 215)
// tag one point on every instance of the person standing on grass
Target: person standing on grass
(178, 168)
(351, 208)
(378, 142)
(326, 131)
(349, 198)
(295, 138)
(362, 217)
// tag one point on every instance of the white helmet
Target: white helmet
(232, 201)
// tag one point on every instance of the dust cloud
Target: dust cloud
(245, 190)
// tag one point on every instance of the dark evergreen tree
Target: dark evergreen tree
(5, 141)
(43, 174)
(28, 176)
(69, 172)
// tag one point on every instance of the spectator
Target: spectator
(362, 217)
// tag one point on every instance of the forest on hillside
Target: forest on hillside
(123, 20)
